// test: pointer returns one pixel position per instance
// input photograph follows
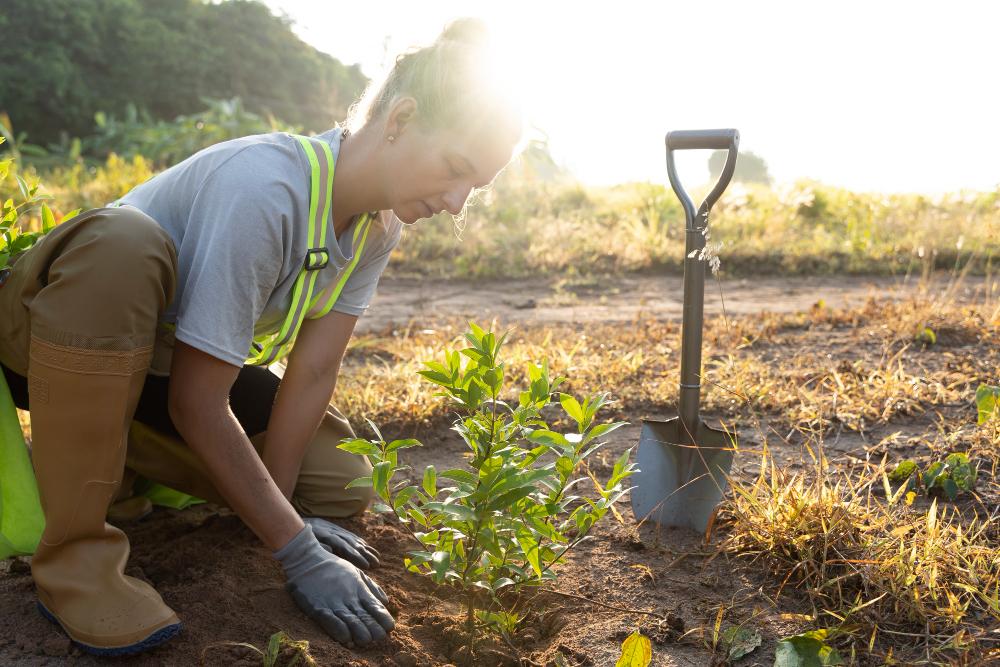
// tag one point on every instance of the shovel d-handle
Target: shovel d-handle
(694, 266)
(679, 140)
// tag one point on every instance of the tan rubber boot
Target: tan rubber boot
(81, 403)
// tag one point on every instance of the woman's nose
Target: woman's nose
(454, 199)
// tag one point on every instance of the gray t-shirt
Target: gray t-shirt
(238, 215)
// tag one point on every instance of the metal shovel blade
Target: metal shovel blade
(680, 484)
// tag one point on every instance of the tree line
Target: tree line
(62, 61)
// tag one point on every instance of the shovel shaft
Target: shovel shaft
(694, 266)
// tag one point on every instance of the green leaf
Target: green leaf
(490, 468)
(932, 473)
(926, 336)
(551, 438)
(508, 498)
(378, 433)
(565, 466)
(48, 220)
(902, 471)
(417, 515)
(359, 482)
(948, 486)
(4, 167)
(359, 446)
(808, 649)
(72, 214)
(529, 545)
(440, 562)
(963, 473)
(459, 475)
(430, 481)
(501, 582)
(741, 641)
(636, 651)
(572, 408)
(402, 444)
(22, 185)
(381, 474)
(273, 647)
(602, 430)
(987, 399)
(403, 496)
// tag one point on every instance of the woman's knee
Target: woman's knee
(322, 487)
(106, 277)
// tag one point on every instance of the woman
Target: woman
(128, 329)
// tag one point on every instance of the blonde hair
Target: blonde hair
(454, 81)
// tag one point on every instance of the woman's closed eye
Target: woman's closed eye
(453, 172)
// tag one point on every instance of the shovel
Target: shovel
(682, 461)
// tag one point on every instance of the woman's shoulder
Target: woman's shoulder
(261, 153)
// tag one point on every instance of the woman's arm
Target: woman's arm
(198, 403)
(304, 394)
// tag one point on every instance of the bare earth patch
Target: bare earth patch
(830, 363)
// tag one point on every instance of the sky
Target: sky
(879, 95)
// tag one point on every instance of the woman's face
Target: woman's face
(430, 171)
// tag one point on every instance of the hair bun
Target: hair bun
(470, 31)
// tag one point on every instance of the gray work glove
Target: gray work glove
(342, 542)
(340, 597)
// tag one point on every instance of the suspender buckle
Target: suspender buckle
(317, 258)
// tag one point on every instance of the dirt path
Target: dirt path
(623, 299)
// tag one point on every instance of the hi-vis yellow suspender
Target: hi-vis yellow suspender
(269, 347)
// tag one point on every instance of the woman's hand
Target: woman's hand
(340, 597)
(342, 542)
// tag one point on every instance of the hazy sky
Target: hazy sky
(874, 95)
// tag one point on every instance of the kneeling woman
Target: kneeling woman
(138, 336)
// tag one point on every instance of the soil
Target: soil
(225, 587)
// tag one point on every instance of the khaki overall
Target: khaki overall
(78, 319)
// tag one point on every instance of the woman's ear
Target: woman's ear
(402, 114)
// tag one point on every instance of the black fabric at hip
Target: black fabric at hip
(250, 398)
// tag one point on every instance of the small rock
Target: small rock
(19, 566)
(406, 659)
(461, 656)
(529, 636)
(56, 647)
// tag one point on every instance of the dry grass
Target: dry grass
(828, 369)
(901, 580)
(884, 574)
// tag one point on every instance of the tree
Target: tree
(61, 61)
(750, 167)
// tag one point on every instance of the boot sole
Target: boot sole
(153, 640)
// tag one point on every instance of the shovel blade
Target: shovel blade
(680, 484)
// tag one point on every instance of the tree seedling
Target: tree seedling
(501, 522)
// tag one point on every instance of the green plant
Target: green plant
(949, 477)
(987, 400)
(505, 519)
(808, 649)
(279, 646)
(13, 239)
(167, 142)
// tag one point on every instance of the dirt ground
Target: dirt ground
(211, 569)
